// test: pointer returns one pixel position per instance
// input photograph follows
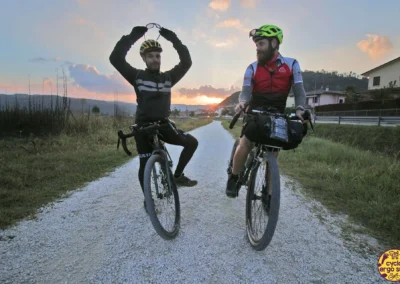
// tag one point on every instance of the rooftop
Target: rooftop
(366, 74)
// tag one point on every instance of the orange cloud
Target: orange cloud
(47, 81)
(90, 25)
(235, 23)
(232, 23)
(81, 21)
(248, 3)
(227, 43)
(376, 46)
(220, 5)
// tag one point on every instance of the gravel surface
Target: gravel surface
(101, 233)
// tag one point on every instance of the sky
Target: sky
(41, 38)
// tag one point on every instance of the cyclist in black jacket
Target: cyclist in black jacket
(153, 94)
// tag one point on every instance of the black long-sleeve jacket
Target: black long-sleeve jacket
(153, 89)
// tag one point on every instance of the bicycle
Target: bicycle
(261, 198)
(169, 190)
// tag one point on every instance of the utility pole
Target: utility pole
(57, 80)
(29, 84)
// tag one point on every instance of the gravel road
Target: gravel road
(101, 234)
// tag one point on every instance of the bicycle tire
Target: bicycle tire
(269, 231)
(165, 234)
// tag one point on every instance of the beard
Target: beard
(154, 67)
(265, 56)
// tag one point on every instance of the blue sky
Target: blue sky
(38, 37)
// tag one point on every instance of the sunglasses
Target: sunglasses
(152, 25)
(253, 32)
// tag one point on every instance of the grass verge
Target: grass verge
(36, 171)
(362, 184)
(377, 139)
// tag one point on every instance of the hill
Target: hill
(106, 107)
(333, 80)
(319, 80)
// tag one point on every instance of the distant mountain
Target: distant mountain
(318, 80)
(333, 80)
(182, 107)
(106, 107)
(231, 100)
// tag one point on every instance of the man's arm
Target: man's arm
(247, 88)
(118, 55)
(298, 87)
(185, 61)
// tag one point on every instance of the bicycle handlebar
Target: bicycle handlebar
(306, 116)
(235, 118)
(135, 130)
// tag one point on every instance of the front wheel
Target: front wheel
(262, 202)
(161, 196)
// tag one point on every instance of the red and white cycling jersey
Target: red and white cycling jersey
(276, 77)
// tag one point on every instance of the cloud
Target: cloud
(227, 43)
(235, 23)
(248, 3)
(376, 46)
(90, 25)
(208, 91)
(89, 78)
(42, 60)
(220, 5)
(48, 82)
(232, 23)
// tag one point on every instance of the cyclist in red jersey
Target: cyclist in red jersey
(267, 83)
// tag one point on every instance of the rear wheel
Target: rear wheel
(262, 202)
(162, 199)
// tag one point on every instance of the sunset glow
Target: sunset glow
(77, 36)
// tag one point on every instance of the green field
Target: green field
(38, 170)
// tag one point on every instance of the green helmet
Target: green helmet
(267, 31)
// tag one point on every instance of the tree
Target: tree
(96, 110)
(175, 112)
(224, 111)
(191, 113)
(351, 94)
(382, 94)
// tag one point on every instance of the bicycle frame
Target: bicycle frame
(260, 153)
(158, 145)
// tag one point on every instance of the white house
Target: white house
(319, 98)
(380, 76)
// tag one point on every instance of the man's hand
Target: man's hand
(240, 106)
(167, 34)
(138, 31)
(299, 114)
